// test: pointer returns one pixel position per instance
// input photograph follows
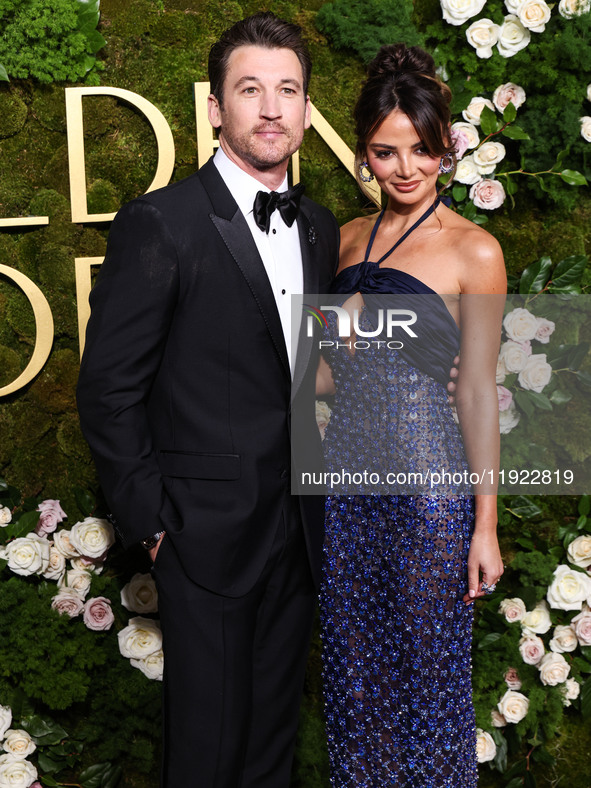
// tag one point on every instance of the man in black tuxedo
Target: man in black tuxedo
(185, 393)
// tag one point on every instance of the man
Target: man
(184, 396)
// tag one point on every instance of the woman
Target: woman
(401, 570)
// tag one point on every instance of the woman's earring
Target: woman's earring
(365, 173)
(446, 164)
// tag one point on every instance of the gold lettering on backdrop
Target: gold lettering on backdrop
(25, 221)
(75, 129)
(83, 287)
(43, 329)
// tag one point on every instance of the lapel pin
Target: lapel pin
(312, 235)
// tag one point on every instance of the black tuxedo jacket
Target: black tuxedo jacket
(185, 389)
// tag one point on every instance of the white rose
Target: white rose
(513, 609)
(569, 589)
(92, 537)
(323, 413)
(531, 648)
(509, 93)
(87, 565)
(571, 691)
(456, 12)
(508, 419)
(586, 127)
(19, 744)
(77, 580)
(570, 8)
(513, 36)
(487, 156)
(537, 621)
(582, 626)
(5, 719)
(589, 92)
(467, 171)
(469, 130)
(56, 567)
(61, 540)
(513, 356)
(513, 6)
(520, 324)
(16, 773)
(488, 194)
(554, 669)
(474, 109)
(579, 551)
(565, 639)
(140, 638)
(534, 14)
(140, 594)
(545, 330)
(5, 515)
(483, 35)
(497, 719)
(151, 666)
(513, 706)
(536, 374)
(28, 555)
(501, 372)
(67, 601)
(486, 749)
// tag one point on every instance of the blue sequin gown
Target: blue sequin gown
(396, 633)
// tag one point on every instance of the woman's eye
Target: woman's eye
(383, 154)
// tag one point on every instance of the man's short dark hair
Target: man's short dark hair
(263, 30)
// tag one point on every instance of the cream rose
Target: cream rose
(513, 6)
(140, 594)
(323, 413)
(536, 374)
(5, 515)
(474, 109)
(467, 171)
(508, 419)
(569, 589)
(487, 156)
(456, 12)
(68, 602)
(140, 638)
(537, 621)
(16, 773)
(501, 371)
(579, 551)
(56, 567)
(586, 127)
(61, 540)
(533, 14)
(570, 8)
(513, 356)
(5, 719)
(97, 614)
(505, 397)
(28, 555)
(483, 35)
(460, 142)
(520, 325)
(497, 719)
(513, 609)
(151, 666)
(87, 565)
(509, 93)
(545, 330)
(92, 537)
(571, 691)
(513, 706)
(512, 679)
(564, 639)
(19, 744)
(513, 36)
(486, 749)
(582, 626)
(531, 648)
(469, 130)
(488, 194)
(554, 669)
(77, 580)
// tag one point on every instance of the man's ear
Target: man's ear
(213, 111)
(308, 115)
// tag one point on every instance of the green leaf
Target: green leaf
(584, 506)
(560, 397)
(570, 270)
(510, 112)
(85, 500)
(524, 507)
(480, 218)
(488, 640)
(584, 377)
(524, 402)
(559, 159)
(515, 133)
(44, 732)
(573, 178)
(511, 186)
(459, 192)
(469, 211)
(500, 760)
(488, 121)
(49, 781)
(88, 20)
(3, 74)
(540, 400)
(101, 775)
(95, 41)
(535, 276)
(26, 523)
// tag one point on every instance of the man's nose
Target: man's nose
(270, 105)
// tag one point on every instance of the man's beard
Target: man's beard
(265, 154)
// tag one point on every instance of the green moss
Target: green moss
(49, 107)
(13, 112)
(10, 363)
(103, 197)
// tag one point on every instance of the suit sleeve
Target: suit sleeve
(132, 307)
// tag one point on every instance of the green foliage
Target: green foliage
(50, 40)
(363, 26)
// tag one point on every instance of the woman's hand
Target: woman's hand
(484, 563)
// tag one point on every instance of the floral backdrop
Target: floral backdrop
(80, 644)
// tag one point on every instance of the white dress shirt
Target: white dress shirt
(279, 249)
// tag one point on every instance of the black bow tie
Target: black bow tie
(287, 203)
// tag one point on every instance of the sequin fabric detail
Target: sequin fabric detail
(396, 633)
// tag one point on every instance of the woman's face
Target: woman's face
(398, 159)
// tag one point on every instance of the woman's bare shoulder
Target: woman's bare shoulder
(482, 266)
(354, 239)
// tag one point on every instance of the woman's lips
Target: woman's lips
(408, 186)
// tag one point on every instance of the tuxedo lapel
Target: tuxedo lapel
(236, 235)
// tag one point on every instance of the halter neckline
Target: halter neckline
(419, 221)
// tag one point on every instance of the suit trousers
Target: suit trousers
(234, 668)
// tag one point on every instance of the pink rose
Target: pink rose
(460, 142)
(97, 614)
(531, 649)
(505, 397)
(51, 514)
(525, 346)
(512, 679)
(509, 92)
(545, 329)
(582, 625)
(488, 194)
(68, 602)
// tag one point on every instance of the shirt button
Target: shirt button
(274, 232)
(283, 292)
